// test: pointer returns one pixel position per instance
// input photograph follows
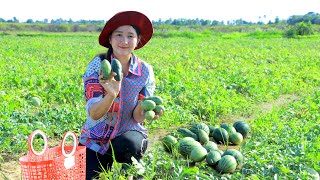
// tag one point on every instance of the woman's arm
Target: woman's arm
(112, 87)
(100, 108)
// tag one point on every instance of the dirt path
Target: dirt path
(10, 170)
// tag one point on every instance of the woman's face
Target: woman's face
(124, 40)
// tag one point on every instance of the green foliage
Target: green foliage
(206, 78)
(300, 29)
(289, 134)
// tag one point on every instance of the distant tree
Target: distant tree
(276, 20)
(70, 21)
(29, 21)
(159, 22)
(309, 17)
(15, 20)
(205, 22)
(175, 22)
(215, 23)
(238, 22)
(168, 21)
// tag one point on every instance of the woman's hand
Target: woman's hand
(111, 86)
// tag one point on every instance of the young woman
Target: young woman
(114, 114)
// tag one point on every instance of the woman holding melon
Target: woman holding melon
(115, 83)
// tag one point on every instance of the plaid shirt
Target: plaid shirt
(140, 82)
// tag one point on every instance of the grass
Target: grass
(212, 78)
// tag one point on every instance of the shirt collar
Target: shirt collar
(135, 65)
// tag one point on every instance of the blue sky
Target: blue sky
(249, 10)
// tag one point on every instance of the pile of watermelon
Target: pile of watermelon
(199, 143)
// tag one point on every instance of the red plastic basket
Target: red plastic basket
(58, 163)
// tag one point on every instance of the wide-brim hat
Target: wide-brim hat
(134, 18)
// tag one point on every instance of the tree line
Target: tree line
(312, 17)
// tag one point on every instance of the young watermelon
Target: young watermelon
(199, 125)
(236, 138)
(227, 164)
(211, 129)
(185, 132)
(221, 135)
(157, 99)
(213, 157)
(230, 129)
(236, 154)
(117, 68)
(210, 146)
(169, 143)
(159, 108)
(242, 127)
(148, 105)
(105, 68)
(149, 115)
(198, 154)
(35, 101)
(203, 136)
(186, 145)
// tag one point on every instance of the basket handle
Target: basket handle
(75, 143)
(30, 142)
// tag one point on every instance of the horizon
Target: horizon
(247, 10)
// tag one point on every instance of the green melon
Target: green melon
(105, 69)
(210, 146)
(186, 145)
(35, 101)
(230, 129)
(169, 143)
(149, 115)
(211, 129)
(186, 139)
(157, 99)
(203, 136)
(199, 125)
(221, 135)
(148, 105)
(236, 138)
(236, 154)
(242, 127)
(198, 154)
(213, 157)
(159, 108)
(185, 132)
(227, 164)
(117, 68)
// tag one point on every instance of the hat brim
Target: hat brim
(133, 18)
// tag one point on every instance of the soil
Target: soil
(10, 169)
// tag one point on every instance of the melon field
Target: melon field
(262, 78)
